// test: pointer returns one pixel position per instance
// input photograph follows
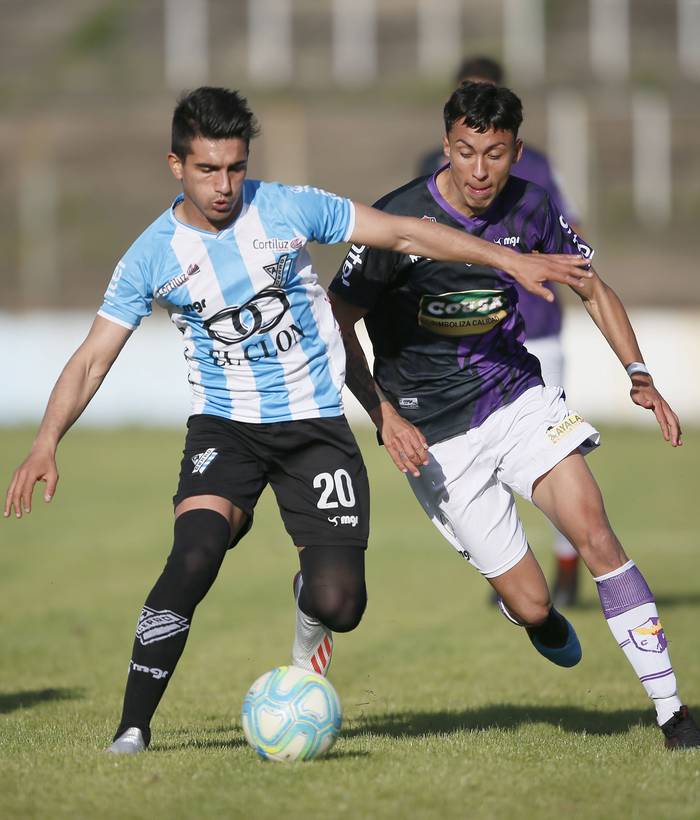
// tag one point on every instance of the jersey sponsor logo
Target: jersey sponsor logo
(281, 342)
(408, 402)
(274, 244)
(344, 520)
(153, 671)
(509, 241)
(649, 636)
(586, 251)
(463, 313)
(557, 432)
(353, 258)
(202, 460)
(265, 348)
(261, 314)
(158, 624)
(177, 281)
(193, 307)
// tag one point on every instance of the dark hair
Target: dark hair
(482, 67)
(215, 113)
(483, 106)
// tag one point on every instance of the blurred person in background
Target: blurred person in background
(543, 320)
(228, 260)
(451, 371)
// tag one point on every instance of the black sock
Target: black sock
(201, 540)
(553, 632)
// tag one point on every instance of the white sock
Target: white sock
(313, 642)
(631, 613)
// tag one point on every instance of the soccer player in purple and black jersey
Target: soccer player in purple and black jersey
(461, 406)
(543, 320)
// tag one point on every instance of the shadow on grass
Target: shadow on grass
(498, 716)
(195, 742)
(10, 701)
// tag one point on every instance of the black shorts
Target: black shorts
(314, 467)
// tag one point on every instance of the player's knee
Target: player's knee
(347, 616)
(536, 614)
(201, 540)
(531, 610)
(339, 609)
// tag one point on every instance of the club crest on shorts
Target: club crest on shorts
(202, 460)
(159, 624)
(649, 636)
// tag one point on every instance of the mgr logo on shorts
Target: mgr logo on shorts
(159, 624)
(463, 313)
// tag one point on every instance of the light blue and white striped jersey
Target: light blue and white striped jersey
(261, 342)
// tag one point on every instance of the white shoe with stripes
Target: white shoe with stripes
(313, 642)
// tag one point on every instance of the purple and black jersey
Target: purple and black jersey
(448, 336)
(541, 318)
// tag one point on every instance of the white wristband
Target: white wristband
(637, 367)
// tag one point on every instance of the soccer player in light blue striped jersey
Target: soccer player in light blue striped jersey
(228, 260)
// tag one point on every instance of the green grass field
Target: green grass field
(448, 711)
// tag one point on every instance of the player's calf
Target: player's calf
(523, 592)
(599, 547)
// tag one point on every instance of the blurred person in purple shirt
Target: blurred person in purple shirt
(543, 320)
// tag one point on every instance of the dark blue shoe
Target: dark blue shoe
(567, 655)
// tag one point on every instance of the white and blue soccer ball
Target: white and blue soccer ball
(291, 714)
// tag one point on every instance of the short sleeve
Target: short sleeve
(128, 298)
(364, 275)
(557, 236)
(319, 215)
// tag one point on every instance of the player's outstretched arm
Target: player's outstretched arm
(405, 443)
(407, 234)
(609, 314)
(77, 384)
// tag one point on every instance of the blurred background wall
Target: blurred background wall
(349, 94)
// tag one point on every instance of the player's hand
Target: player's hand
(531, 270)
(40, 465)
(647, 396)
(404, 442)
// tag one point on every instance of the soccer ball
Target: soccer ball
(291, 714)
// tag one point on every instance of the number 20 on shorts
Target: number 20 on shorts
(339, 483)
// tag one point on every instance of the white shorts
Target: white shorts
(466, 487)
(548, 349)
